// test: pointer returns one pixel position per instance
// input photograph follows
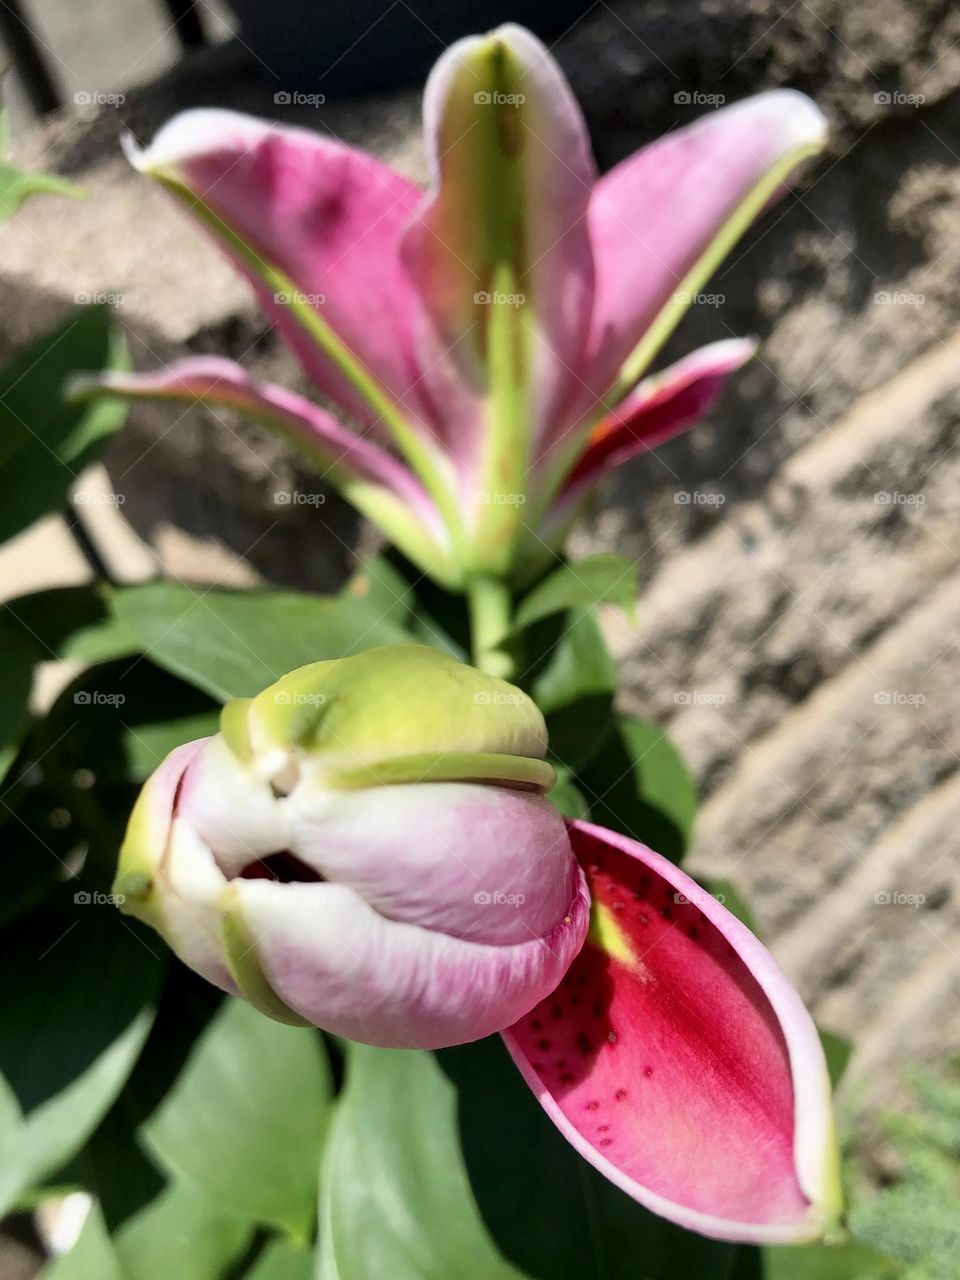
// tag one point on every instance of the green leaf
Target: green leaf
(45, 444)
(17, 185)
(638, 784)
(282, 1260)
(181, 1234)
(396, 1201)
(92, 1258)
(246, 1120)
(849, 1261)
(74, 1021)
(837, 1052)
(19, 659)
(568, 797)
(384, 589)
(603, 578)
(726, 891)
(234, 644)
(575, 689)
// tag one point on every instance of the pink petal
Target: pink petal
(340, 964)
(678, 1060)
(506, 219)
(371, 478)
(661, 407)
(327, 216)
(663, 218)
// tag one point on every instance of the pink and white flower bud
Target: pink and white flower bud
(366, 846)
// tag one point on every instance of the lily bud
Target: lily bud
(366, 846)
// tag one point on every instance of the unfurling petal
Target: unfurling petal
(371, 478)
(678, 1060)
(500, 251)
(661, 407)
(662, 220)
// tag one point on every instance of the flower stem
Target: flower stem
(489, 602)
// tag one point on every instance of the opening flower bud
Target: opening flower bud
(366, 846)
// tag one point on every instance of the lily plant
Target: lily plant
(489, 340)
(367, 847)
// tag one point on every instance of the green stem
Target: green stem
(489, 602)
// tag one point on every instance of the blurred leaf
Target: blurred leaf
(282, 1260)
(849, 1261)
(245, 1122)
(916, 1220)
(603, 578)
(726, 891)
(45, 444)
(17, 185)
(575, 689)
(396, 1201)
(837, 1052)
(73, 1023)
(638, 784)
(181, 1234)
(568, 797)
(383, 588)
(69, 623)
(92, 1258)
(233, 644)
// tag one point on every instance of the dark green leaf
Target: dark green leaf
(44, 443)
(234, 644)
(575, 690)
(849, 1261)
(603, 578)
(837, 1051)
(73, 1022)
(638, 784)
(245, 1122)
(568, 797)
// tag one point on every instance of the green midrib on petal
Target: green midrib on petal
(476, 766)
(506, 446)
(240, 951)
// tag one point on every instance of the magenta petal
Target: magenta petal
(661, 407)
(678, 1060)
(327, 216)
(661, 218)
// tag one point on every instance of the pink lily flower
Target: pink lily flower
(367, 847)
(489, 338)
